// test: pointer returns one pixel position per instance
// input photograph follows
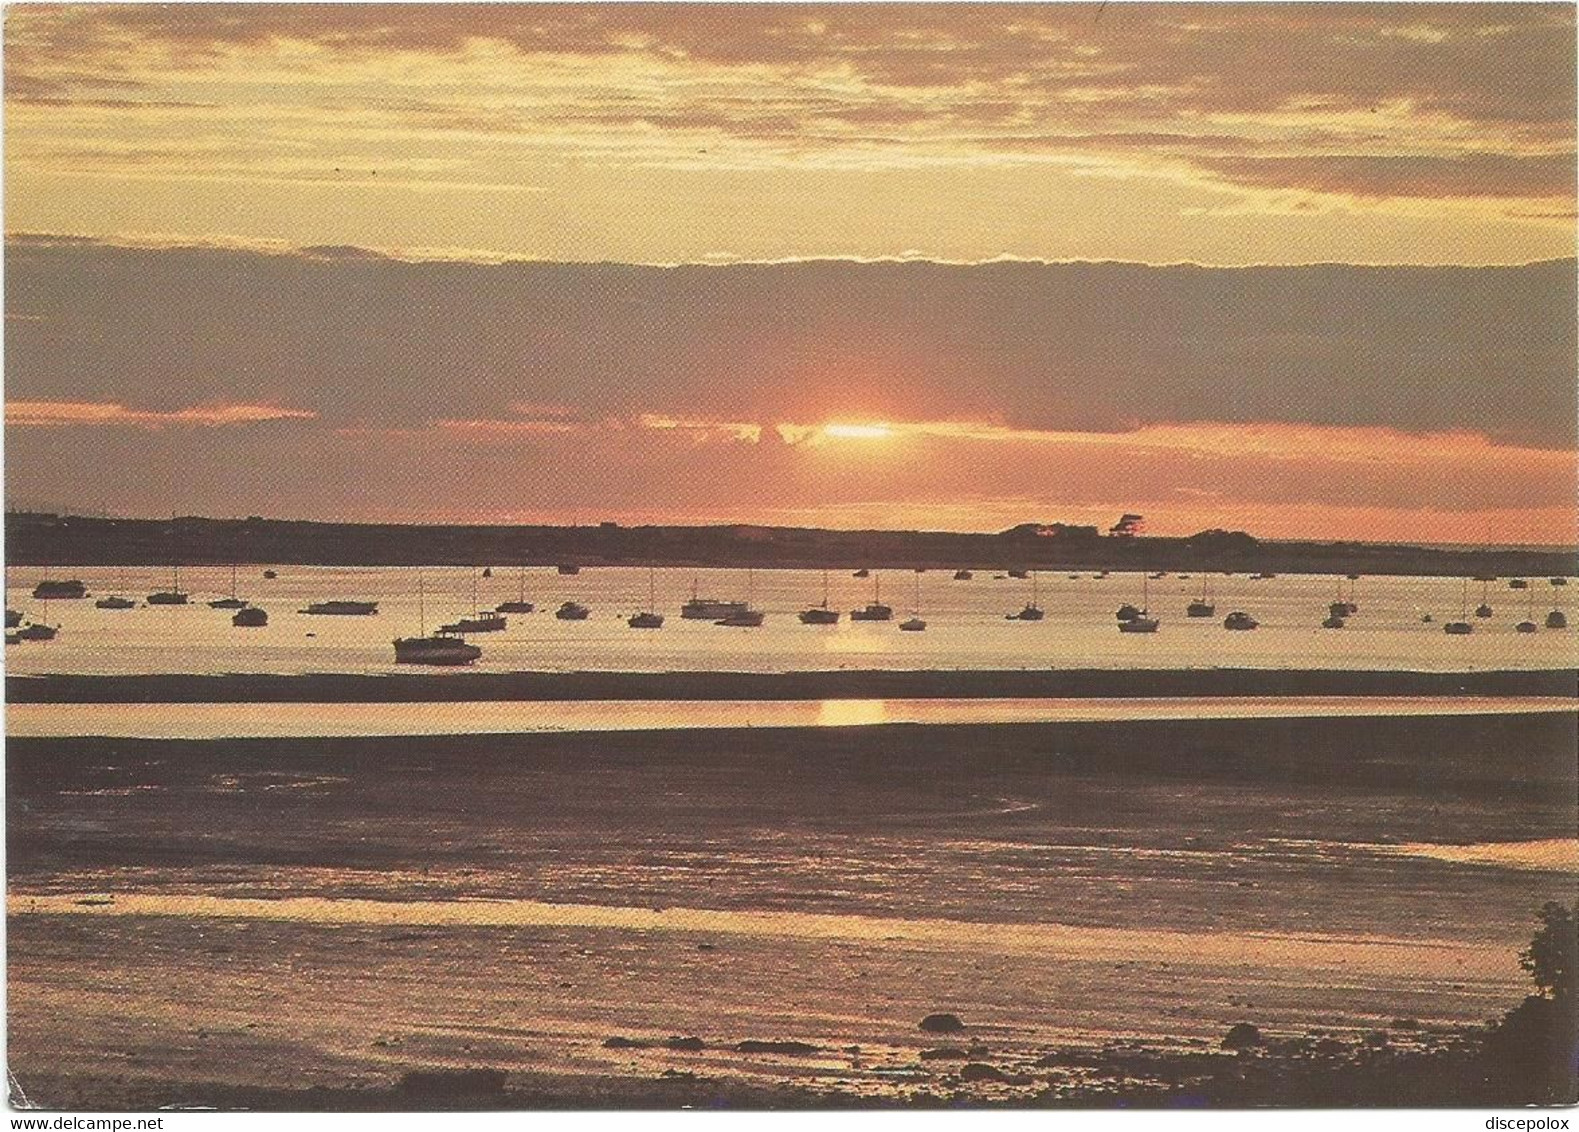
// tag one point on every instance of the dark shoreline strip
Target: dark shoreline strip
(921, 684)
(1510, 756)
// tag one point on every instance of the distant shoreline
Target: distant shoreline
(813, 685)
(35, 539)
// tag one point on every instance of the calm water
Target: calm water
(966, 625)
(309, 720)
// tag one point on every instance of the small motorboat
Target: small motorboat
(271, 574)
(37, 632)
(115, 602)
(438, 649)
(250, 618)
(1335, 621)
(482, 622)
(1200, 609)
(1139, 624)
(963, 575)
(13, 618)
(913, 625)
(1127, 612)
(572, 611)
(568, 570)
(1240, 621)
(1556, 620)
(645, 621)
(340, 608)
(1518, 584)
(745, 619)
(863, 572)
(60, 591)
(1458, 628)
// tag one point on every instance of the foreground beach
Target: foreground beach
(765, 916)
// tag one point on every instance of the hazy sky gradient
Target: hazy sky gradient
(371, 261)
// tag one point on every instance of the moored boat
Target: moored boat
(340, 608)
(60, 590)
(572, 611)
(250, 618)
(1240, 621)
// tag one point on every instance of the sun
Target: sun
(857, 431)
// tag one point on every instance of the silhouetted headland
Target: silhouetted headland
(38, 539)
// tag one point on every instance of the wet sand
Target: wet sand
(193, 917)
(463, 685)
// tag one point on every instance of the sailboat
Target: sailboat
(875, 609)
(1483, 609)
(1461, 627)
(1528, 624)
(520, 604)
(1202, 606)
(115, 601)
(174, 595)
(481, 621)
(1032, 611)
(744, 617)
(1142, 622)
(441, 648)
(914, 624)
(648, 619)
(231, 602)
(820, 614)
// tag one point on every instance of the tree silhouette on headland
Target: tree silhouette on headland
(1532, 1055)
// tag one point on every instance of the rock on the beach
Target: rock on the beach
(1242, 1036)
(978, 1071)
(799, 1048)
(942, 1024)
(439, 1085)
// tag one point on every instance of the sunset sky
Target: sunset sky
(1302, 269)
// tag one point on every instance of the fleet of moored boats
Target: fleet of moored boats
(448, 645)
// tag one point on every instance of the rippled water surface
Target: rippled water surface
(966, 625)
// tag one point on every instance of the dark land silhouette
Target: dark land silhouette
(38, 539)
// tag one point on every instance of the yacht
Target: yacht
(820, 614)
(709, 609)
(1032, 611)
(440, 649)
(1142, 621)
(647, 619)
(231, 602)
(572, 611)
(874, 610)
(340, 608)
(1462, 627)
(174, 595)
(250, 618)
(1202, 606)
(520, 604)
(914, 624)
(744, 617)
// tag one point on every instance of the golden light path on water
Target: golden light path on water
(322, 720)
(1267, 950)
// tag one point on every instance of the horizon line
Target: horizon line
(332, 253)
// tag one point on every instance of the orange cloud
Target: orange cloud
(46, 413)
